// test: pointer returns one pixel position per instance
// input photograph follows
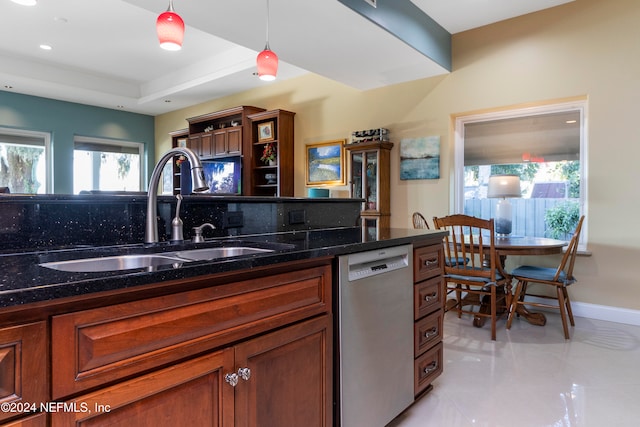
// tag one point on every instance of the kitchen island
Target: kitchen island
(245, 340)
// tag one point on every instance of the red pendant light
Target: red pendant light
(267, 60)
(170, 28)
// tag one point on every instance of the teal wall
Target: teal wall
(63, 120)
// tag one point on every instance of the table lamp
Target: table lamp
(503, 187)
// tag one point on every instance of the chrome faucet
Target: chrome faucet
(197, 179)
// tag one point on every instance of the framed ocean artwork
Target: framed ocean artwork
(420, 158)
(325, 163)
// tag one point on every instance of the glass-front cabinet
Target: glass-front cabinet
(369, 180)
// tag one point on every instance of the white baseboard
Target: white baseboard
(602, 312)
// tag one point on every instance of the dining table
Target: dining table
(523, 245)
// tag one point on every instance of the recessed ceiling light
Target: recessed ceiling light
(569, 122)
(26, 2)
(45, 47)
(8, 87)
(167, 100)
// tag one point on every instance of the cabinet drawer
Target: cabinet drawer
(427, 368)
(23, 365)
(427, 332)
(94, 347)
(428, 296)
(427, 262)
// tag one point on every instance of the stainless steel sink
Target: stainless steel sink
(149, 261)
(215, 253)
(114, 263)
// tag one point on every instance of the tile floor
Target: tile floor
(532, 377)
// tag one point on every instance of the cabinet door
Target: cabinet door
(194, 143)
(206, 145)
(192, 393)
(39, 420)
(220, 142)
(291, 377)
(234, 141)
(23, 366)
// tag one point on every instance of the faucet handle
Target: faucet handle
(197, 232)
(176, 223)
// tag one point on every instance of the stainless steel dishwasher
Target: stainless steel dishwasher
(375, 336)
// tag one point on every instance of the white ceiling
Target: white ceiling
(105, 52)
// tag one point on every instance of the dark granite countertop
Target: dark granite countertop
(24, 281)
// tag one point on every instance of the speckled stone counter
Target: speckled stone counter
(24, 281)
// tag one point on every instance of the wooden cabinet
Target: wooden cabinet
(428, 313)
(23, 369)
(369, 179)
(38, 420)
(172, 359)
(276, 128)
(227, 142)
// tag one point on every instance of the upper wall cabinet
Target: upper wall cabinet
(220, 134)
(268, 166)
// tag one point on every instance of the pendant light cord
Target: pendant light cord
(266, 46)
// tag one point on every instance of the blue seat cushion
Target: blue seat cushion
(541, 273)
(455, 277)
(456, 261)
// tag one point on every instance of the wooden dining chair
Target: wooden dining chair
(419, 221)
(480, 281)
(559, 278)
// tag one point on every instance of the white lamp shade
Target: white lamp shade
(503, 186)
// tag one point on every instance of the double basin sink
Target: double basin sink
(150, 261)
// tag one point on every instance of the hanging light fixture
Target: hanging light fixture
(267, 59)
(170, 28)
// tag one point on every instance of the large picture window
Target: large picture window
(24, 161)
(545, 146)
(107, 165)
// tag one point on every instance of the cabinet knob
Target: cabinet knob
(232, 379)
(244, 373)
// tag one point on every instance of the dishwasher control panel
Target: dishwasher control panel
(367, 264)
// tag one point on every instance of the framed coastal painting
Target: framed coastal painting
(420, 158)
(325, 163)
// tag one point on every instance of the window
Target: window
(107, 165)
(545, 146)
(24, 161)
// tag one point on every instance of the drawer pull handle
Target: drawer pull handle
(244, 373)
(431, 367)
(431, 333)
(430, 297)
(232, 379)
(431, 262)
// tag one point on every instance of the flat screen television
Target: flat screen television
(223, 176)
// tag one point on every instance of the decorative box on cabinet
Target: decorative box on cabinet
(428, 315)
(370, 180)
(23, 370)
(283, 141)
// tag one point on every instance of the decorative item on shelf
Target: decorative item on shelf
(503, 187)
(180, 160)
(170, 29)
(370, 135)
(234, 123)
(269, 154)
(208, 128)
(265, 132)
(267, 60)
(271, 178)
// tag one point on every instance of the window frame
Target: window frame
(48, 153)
(460, 120)
(139, 146)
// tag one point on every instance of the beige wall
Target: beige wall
(586, 48)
